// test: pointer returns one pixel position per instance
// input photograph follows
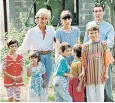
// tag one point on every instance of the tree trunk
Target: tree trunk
(112, 12)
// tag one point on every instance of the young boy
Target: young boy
(12, 69)
(95, 63)
(76, 85)
(61, 73)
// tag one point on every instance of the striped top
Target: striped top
(93, 59)
(14, 68)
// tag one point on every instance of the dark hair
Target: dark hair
(65, 14)
(64, 46)
(35, 54)
(77, 51)
(12, 41)
(98, 5)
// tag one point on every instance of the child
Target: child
(37, 83)
(95, 63)
(12, 69)
(76, 85)
(61, 74)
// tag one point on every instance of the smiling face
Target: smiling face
(42, 19)
(94, 35)
(66, 52)
(98, 13)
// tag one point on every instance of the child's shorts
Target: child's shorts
(13, 92)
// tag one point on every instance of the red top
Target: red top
(13, 67)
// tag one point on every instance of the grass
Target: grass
(4, 100)
(51, 98)
(25, 78)
(114, 97)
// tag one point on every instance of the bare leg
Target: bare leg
(11, 99)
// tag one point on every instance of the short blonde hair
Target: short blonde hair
(43, 11)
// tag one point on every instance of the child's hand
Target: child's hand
(18, 78)
(82, 75)
(105, 43)
(78, 88)
(70, 76)
(14, 78)
(44, 85)
(31, 63)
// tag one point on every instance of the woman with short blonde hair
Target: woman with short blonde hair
(42, 11)
(41, 38)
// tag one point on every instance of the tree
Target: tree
(47, 3)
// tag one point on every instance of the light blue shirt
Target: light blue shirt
(70, 37)
(61, 66)
(106, 32)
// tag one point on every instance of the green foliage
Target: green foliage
(4, 100)
(18, 35)
(51, 98)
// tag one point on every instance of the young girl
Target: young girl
(37, 84)
(76, 85)
(61, 74)
(12, 69)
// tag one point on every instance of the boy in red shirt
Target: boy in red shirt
(12, 70)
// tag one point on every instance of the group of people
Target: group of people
(77, 66)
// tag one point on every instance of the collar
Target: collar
(100, 22)
(94, 42)
(76, 60)
(39, 30)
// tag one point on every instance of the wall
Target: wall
(19, 10)
(18, 7)
(85, 9)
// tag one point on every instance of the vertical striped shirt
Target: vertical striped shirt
(93, 59)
